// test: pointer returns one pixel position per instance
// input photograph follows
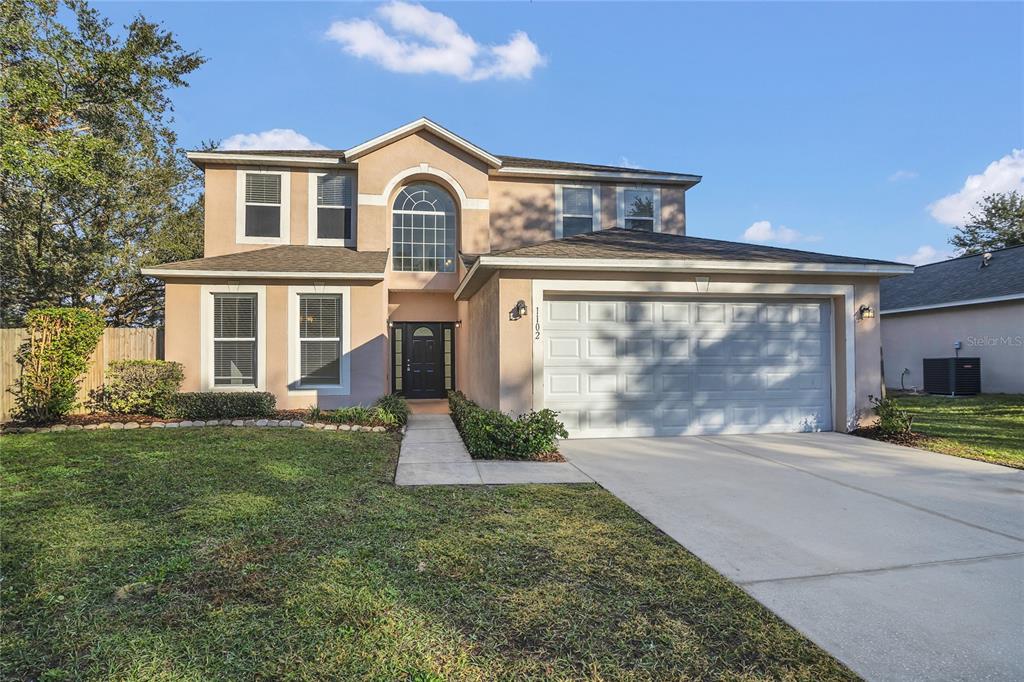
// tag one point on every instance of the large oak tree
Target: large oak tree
(93, 184)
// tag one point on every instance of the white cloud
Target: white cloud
(901, 175)
(762, 231)
(1003, 175)
(277, 138)
(424, 41)
(925, 254)
(624, 162)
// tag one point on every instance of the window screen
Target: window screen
(639, 204)
(320, 339)
(577, 210)
(262, 205)
(234, 339)
(334, 207)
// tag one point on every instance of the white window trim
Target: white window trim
(595, 205)
(206, 382)
(295, 386)
(620, 200)
(312, 237)
(286, 191)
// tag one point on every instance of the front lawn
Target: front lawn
(267, 554)
(985, 427)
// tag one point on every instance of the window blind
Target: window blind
(320, 339)
(577, 201)
(234, 339)
(262, 188)
(334, 190)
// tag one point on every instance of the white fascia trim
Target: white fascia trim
(295, 386)
(767, 289)
(465, 202)
(595, 205)
(286, 204)
(691, 265)
(311, 220)
(260, 274)
(608, 176)
(415, 126)
(620, 202)
(954, 304)
(268, 158)
(206, 382)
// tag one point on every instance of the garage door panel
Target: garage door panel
(674, 367)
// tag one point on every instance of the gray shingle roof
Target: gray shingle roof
(619, 243)
(518, 161)
(959, 279)
(299, 259)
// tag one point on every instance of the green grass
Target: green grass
(985, 427)
(281, 554)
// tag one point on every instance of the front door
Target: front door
(423, 374)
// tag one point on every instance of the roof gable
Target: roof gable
(416, 126)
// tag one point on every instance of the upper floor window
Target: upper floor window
(423, 229)
(331, 208)
(640, 208)
(262, 207)
(577, 210)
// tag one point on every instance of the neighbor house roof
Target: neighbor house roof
(328, 262)
(631, 250)
(955, 282)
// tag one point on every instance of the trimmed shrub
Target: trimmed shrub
(396, 405)
(227, 405)
(360, 416)
(893, 422)
(489, 434)
(53, 360)
(139, 387)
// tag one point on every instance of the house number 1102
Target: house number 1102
(536, 325)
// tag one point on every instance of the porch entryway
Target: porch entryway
(423, 359)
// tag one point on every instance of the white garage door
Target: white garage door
(639, 367)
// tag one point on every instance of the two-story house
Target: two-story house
(418, 262)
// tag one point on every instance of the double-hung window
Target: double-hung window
(331, 208)
(262, 206)
(640, 208)
(234, 339)
(577, 210)
(319, 339)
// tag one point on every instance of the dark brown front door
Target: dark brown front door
(423, 375)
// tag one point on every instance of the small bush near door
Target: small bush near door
(139, 387)
(227, 405)
(489, 434)
(395, 405)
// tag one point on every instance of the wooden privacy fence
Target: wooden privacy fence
(118, 343)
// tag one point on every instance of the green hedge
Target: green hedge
(489, 434)
(139, 387)
(227, 405)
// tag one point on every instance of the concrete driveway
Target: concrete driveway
(904, 564)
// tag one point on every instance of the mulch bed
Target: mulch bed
(548, 457)
(872, 432)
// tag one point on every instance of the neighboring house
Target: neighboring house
(418, 262)
(977, 301)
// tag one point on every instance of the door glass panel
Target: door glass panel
(398, 358)
(447, 359)
(423, 331)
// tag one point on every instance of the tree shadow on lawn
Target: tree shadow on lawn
(290, 554)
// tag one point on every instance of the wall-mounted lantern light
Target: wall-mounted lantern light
(458, 323)
(865, 312)
(518, 311)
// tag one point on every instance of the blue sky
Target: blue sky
(850, 128)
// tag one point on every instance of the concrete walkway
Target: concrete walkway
(433, 454)
(904, 564)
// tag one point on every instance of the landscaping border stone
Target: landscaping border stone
(129, 426)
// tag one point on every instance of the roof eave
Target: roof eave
(414, 127)
(606, 176)
(165, 273)
(490, 263)
(201, 159)
(952, 304)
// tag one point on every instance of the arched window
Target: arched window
(423, 229)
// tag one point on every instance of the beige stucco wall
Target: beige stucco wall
(992, 332)
(512, 386)
(523, 211)
(479, 346)
(368, 340)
